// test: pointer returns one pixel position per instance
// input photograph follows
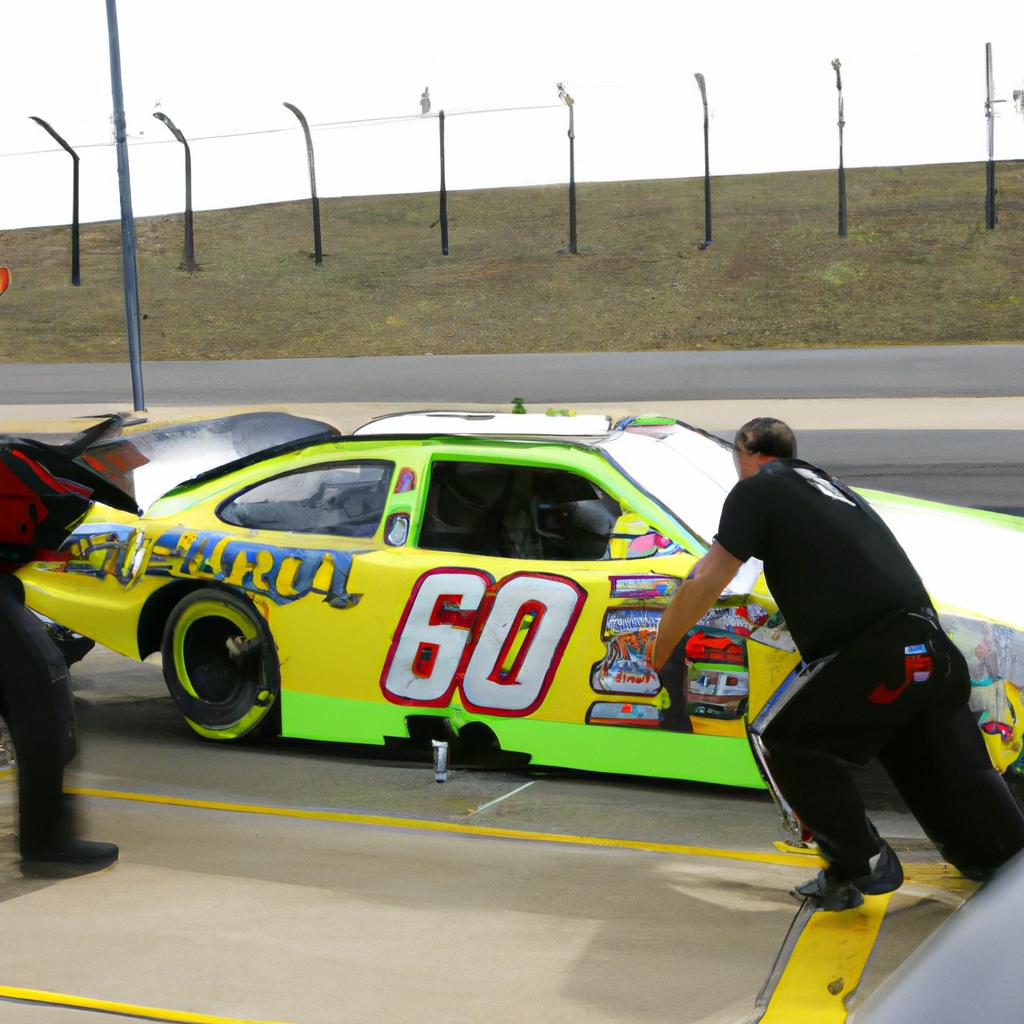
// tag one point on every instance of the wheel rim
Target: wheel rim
(201, 660)
(222, 698)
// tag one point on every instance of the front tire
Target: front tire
(221, 666)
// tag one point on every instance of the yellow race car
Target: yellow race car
(484, 574)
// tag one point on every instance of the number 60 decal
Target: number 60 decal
(499, 644)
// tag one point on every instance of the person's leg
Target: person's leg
(942, 770)
(821, 792)
(802, 740)
(860, 862)
(839, 713)
(38, 710)
(38, 707)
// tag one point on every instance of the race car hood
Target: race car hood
(972, 562)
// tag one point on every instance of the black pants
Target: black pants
(36, 703)
(900, 693)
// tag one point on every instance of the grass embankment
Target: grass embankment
(918, 266)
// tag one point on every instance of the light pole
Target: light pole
(570, 103)
(842, 170)
(76, 278)
(129, 268)
(188, 261)
(318, 256)
(707, 166)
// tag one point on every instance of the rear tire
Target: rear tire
(220, 665)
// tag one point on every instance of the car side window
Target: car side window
(345, 499)
(529, 512)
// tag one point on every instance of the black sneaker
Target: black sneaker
(885, 875)
(76, 857)
(830, 893)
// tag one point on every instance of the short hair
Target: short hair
(767, 436)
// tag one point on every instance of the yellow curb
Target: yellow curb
(826, 964)
(425, 825)
(31, 995)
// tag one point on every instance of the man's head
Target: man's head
(759, 441)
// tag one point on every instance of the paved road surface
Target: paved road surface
(954, 370)
(279, 918)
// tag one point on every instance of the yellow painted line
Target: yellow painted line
(424, 825)
(31, 995)
(826, 964)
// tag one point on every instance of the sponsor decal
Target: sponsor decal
(105, 549)
(405, 481)
(630, 620)
(614, 713)
(917, 668)
(723, 650)
(717, 692)
(626, 667)
(644, 588)
(917, 664)
(740, 619)
(281, 574)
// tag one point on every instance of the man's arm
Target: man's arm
(695, 596)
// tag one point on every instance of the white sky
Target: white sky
(913, 84)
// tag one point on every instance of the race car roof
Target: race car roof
(492, 424)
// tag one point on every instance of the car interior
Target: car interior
(516, 512)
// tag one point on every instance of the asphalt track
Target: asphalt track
(318, 883)
(557, 379)
(888, 417)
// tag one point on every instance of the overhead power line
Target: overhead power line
(364, 122)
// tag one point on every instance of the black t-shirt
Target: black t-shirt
(831, 563)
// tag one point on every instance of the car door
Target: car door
(532, 593)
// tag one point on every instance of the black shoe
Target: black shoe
(77, 856)
(885, 875)
(829, 893)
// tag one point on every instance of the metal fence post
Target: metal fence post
(318, 255)
(188, 261)
(76, 278)
(443, 194)
(707, 165)
(842, 170)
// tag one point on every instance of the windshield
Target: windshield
(685, 470)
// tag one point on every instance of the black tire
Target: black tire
(220, 665)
